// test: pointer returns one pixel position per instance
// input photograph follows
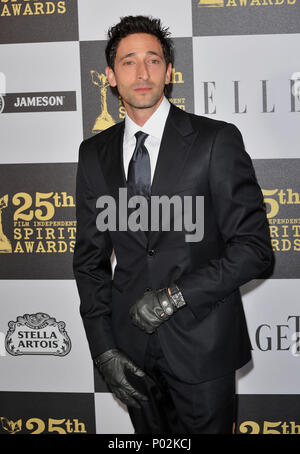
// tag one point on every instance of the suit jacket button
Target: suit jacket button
(151, 252)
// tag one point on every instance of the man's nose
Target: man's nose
(142, 71)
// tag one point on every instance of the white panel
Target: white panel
(41, 136)
(250, 59)
(45, 373)
(111, 416)
(96, 17)
(274, 371)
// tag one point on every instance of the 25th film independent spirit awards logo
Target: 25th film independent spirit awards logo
(37, 232)
(285, 231)
(46, 413)
(39, 426)
(279, 180)
(37, 220)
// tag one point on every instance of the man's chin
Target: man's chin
(144, 106)
(143, 103)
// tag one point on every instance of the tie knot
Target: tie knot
(140, 138)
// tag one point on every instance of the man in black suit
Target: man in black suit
(168, 332)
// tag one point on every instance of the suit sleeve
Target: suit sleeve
(238, 206)
(92, 266)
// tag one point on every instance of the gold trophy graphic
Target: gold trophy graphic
(11, 426)
(5, 245)
(104, 120)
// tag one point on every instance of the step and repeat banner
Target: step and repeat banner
(236, 60)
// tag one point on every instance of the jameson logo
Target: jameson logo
(39, 102)
(37, 334)
(25, 101)
(31, 8)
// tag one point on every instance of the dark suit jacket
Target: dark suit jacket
(198, 156)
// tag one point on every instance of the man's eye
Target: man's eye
(154, 61)
(128, 62)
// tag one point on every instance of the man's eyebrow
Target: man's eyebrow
(132, 54)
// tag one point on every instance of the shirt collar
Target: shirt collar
(154, 126)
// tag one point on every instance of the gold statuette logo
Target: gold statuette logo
(104, 120)
(5, 245)
(11, 426)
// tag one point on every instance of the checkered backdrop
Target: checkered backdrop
(236, 60)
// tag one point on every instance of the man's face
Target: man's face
(140, 71)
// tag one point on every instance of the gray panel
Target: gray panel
(37, 220)
(245, 17)
(279, 181)
(27, 22)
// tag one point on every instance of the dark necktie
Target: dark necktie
(139, 170)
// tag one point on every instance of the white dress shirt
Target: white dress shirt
(154, 126)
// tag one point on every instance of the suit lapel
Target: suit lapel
(176, 142)
(111, 162)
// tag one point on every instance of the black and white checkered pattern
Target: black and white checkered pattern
(235, 60)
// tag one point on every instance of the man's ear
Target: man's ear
(110, 76)
(168, 74)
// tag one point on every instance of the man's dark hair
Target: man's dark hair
(138, 24)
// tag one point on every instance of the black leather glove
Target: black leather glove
(111, 365)
(154, 308)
